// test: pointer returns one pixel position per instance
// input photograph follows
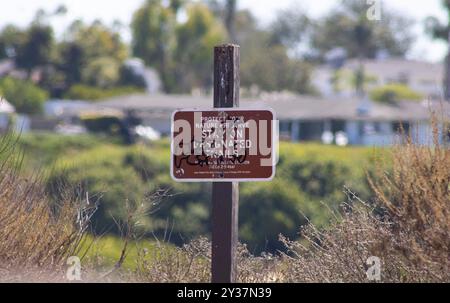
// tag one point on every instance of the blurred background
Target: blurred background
(90, 85)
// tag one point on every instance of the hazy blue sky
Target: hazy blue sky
(22, 11)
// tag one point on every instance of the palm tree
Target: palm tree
(442, 31)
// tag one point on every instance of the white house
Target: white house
(304, 118)
(6, 110)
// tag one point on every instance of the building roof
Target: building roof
(286, 106)
(392, 67)
(58, 107)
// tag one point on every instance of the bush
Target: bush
(111, 125)
(183, 213)
(35, 233)
(306, 176)
(408, 228)
(322, 172)
(416, 195)
(310, 175)
(144, 164)
(392, 93)
(26, 97)
(269, 209)
(100, 173)
(46, 148)
(101, 72)
(91, 93)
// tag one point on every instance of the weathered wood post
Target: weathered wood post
(225, 195)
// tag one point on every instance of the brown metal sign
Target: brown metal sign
(223, 145)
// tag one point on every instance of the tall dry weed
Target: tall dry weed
(35, 232)
(408, 227)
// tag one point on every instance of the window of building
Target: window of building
(399, 127)
(285, 126)
(403, 78)
(377, 127)
(285, 130)
(337, 126)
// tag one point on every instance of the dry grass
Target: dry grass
(192, 263)
(36, 234)
(165, 263)
(408, 228)
(417, 196)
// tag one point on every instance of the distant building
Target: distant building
(6, 67)
(6, 110)
(423, 77)
(304, 118)
(64, 108)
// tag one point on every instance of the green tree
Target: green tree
(91, 54)
(72, 60)
(35, 47)
(347, 26)
(181, 52)
(442, 31)
(38, 47)
(393, 93)
(154, 40)
(176, 5)
(102, 72)
(264, 54)
(195, 41)
(26, 97)
(273, 70)
(97, 40)
(11, 40)
(265, 61)
(289, 28)
(32, 47)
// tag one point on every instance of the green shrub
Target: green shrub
(100, 173)
(183, 211)
(85, 92)
(103, 124)
(101, 72)
(307, 175)
(269, 209)
(144, 164)
(26, 97)
(43, 149)
(322, 172)
(392, 93)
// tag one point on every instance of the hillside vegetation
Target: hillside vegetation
(399, 215)
(307, 177)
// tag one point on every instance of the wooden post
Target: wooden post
(225, 195)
